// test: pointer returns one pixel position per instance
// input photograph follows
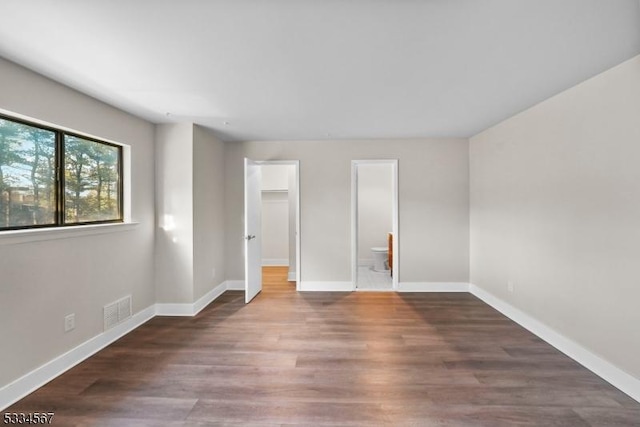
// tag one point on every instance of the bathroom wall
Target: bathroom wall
(375, 210)
(433, 194)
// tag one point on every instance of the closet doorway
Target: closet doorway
(374, 225)
(281, 217)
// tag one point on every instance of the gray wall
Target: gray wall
(41, 282)
(208, 212)
(555, 208)
(189, 199)
(434, 209)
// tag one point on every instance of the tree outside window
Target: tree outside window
(32, 194)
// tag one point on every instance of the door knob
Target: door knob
(250, 236)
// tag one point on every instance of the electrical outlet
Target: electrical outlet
(510, 286)
(70, 322)
(213, 273)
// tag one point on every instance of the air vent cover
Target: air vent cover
(117, 312)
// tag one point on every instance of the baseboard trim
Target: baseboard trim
(235, 285)
(326, 286)
(186, 309)
(606, 370)
(291, 276)
(35, 379)
(169, 309)
(209, 297)
(433, 287)
(28, 383)
(275, 262)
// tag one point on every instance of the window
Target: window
(91, 181)
(49, 177)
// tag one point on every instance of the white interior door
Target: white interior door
(252, 230)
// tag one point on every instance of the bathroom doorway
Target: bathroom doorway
(374, 246)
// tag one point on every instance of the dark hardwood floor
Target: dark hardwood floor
(332, 359)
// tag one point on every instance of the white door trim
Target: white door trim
(354, 219)
(295, 163)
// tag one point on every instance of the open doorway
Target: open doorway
(253, 218)
(279, 229)
(375, 225)
(272, 222)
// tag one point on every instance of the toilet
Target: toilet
(380, 257)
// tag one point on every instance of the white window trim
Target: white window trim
(12, 237)
(27, 235)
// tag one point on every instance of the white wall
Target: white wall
(555, 208)
(275, 214)
(208, 212)
(174, 205)
(275, 228)
(190, 194)
(275, 177)
(434, 205)
(75, 274)
(375, 208)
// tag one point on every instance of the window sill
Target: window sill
(54, 233)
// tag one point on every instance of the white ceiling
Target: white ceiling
(318, 69)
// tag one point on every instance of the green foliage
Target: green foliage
(28, 194)
(91, 180)
(9, 147)
(27, 157)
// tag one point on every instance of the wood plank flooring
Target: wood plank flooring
(343, 359)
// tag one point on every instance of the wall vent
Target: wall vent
(124, 308)
(110, 315)
(116, 312)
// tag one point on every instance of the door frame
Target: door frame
(296, 164)
(395, 219)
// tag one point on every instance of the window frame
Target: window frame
(59, 176)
